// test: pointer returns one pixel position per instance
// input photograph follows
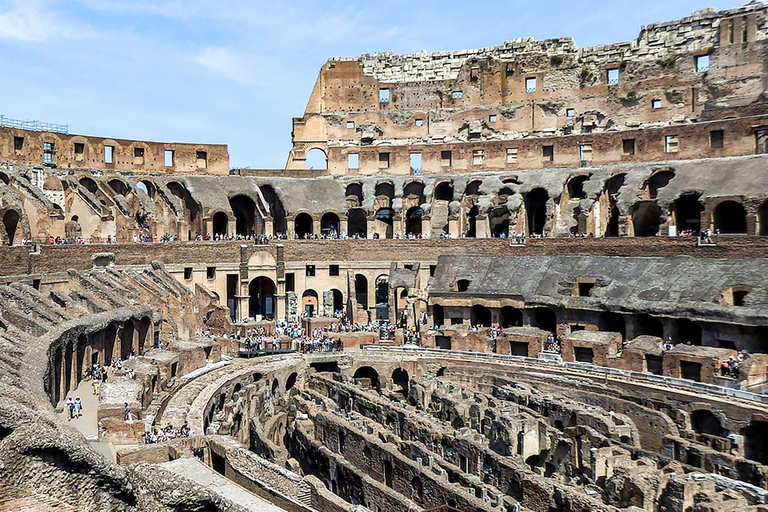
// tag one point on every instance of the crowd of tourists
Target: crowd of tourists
(732, 366)
(156, 435)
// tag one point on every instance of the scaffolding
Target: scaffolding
(33, 125)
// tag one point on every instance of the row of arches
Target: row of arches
(728, 217)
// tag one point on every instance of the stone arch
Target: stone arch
(316, 159)
(220, 223)
(730, 217)
(400, 380)
(499, 221)
(119, 186)
(544, 318)
(687, 211)
(309, 302)
(382, 297)
(276, 209)
(536, 210)
(659, 180)
(261, 291)
(480, 316)
(385, 218)
(89, 184)
(473, 188)
(414, 188)
(126, 339)
(646, 218)
(471, 231)
(361, 290)
(413, 220)
(291, 381)
(11, 220)
(369, 373)
(5, 178)
(329, 224)
(303, 225)
(354, 193)
(510, 317)
(147, 187)
(357, 223)
(338, 300)
(612, 187)
(575, 186)
(704, 421)
(385, 188)
(444, 191)
(246, 216)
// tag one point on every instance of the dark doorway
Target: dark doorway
(536, 210)
(357, 223)
(730, 217)
(262, 298)
(545, 319)
(361, 290)
(245, 215)
(11, 222)
(220, 224)
(687, 210)
(646, 218)
(511, 317)
(480, 316)
(303, 225)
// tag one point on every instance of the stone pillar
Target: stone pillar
(343, 226)
(481, 226)
(207, 226)
(290, 226)
(269, 226)
(242, 307)
(453, 227)
(280, 306)
(426, 226)
(316, 226)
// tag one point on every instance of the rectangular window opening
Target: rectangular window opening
(415, 160)
(716, 139)
(48, 149)
(670, 144)
(168, 157)
(310, 270)
(628, 146)
(446, 158)
(457, 95)
(656, 104)
(612, 76)
(702, 63)
(202, 159)
(585, 153)
(492, 118)
(511, 155)
(333, 270)
(383, 160)
(187, 273)
(290, 282)
(384, 95)
(210, 272)
(350, 125)
(571, 112)
(548, 153)
(530, 84)
(79, 150)
(109, 154)
(353, 160)
(478, 157)
(18, 143)
(419, 122)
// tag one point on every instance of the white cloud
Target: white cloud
(228, 64)
(36, 21)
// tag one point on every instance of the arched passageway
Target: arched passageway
(687, 210)
(302, 225)
(400, 381)
(536, 210)
(612, 322)
(382, 297)
(220, 224)
(261, 303)
(480, 316)
(471, 231)
(438, 315)
(11, 220)
(357, 222)
(499, 221)
(511, 317)
(329, 224)
(444, 191)
(338, 300)
(365, 375)
(704, 421)
(544, 318)
(730, 217)
(762, 219)
(413, 221)
(309, 303)
(316, 159)
(384, 219)
(646, 218)
(276, 209)
(244, 209)
(649, 326)
(361, 290)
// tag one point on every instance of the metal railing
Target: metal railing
(583, 367)
(33, 125)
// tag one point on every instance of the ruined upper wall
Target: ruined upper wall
(699, 32)
(63, 150)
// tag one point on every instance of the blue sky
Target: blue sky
(236, 72)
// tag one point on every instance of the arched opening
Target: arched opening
(338, 300)
(316, 159)
(417, 490)
(576, 187)
(444, 191)
(730, 217)
(276, 209)
(68, 359)
(119, 187)
(686, 331)
(687, 210)
(4, 178)
(658, 181)
(11, 223)
(329, 224)
(244, 209)
(536, 210)
(361, 290)
(357, 223)
(291, 381)
(473, 188)
(472, 222)
(385, 188)
(762, 219)
(384, 219)
(612, 322)
(126, 340)
(462, 285)
(612, 187)
(82, 343)
(57, 367)
(438, 315)
(480, 316)
(302, 225)
(367, 377)
(649, 326)
(414, 190)
(382, 297)
(545, 319)
(89, 184)
(309, 303)
(261, 303)
(354, 194)
(143, 329)
(511, 317)
(147, 187)
(181, 192)
(646, 218)
(413, 221)
(612, 229)
(220, 223)
(704, 421)
(400, 381)
(499, 220)
(756, 444)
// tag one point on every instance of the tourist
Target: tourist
(71, 408)
(78, 406)
(126, 412)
